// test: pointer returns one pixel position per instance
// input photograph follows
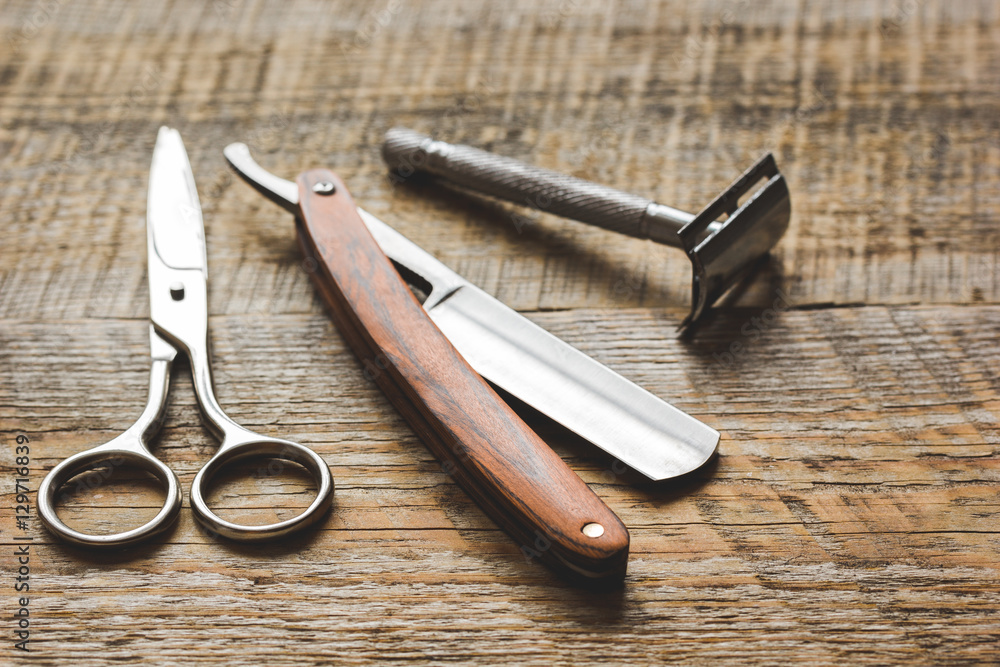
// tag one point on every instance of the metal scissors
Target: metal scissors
(179, 322)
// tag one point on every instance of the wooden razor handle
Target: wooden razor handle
(513, 475)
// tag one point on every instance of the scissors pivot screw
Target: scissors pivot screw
(324, 188)
(177, 291)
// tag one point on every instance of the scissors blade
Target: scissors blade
(173, 212)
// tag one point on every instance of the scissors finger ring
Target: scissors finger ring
(128, 448)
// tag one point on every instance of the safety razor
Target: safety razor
(724, 241)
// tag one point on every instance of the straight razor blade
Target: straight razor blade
(527, 361)
(588, 398)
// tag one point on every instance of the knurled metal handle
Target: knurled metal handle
(406, 152)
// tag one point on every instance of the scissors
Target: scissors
(179, 322)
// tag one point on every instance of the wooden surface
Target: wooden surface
(852, 514)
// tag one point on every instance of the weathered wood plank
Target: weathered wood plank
(860, 496)
(851, 515)
(880, 130)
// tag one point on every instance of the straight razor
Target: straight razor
(588, 398)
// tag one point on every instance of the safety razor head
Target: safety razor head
(721, 252)
(749, 230)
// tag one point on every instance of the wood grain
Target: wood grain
(852, 514)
